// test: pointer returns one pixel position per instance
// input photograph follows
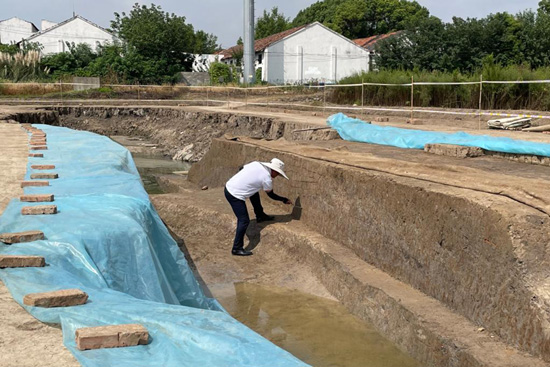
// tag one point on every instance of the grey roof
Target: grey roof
(65, 22)
(26, 21)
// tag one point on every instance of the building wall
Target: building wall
(45, 24)
(77, 31)
(14, 30)
(315, 54)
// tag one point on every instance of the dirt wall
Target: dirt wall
(181, 134)
(482, 255)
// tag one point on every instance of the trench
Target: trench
(481, 257)
(317, 330)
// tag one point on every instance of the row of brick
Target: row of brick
(38, 141)
(86, 338)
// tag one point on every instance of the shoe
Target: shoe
(265, 218)
(241, 252)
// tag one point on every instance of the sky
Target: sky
(224, 18)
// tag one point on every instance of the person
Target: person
(246, 184)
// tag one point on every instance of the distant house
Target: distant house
(370, 43)
(14, 30)
(54, 36)
(305, 54)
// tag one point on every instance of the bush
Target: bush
(220, 73)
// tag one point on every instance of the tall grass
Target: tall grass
(494, 96)
(21, 66)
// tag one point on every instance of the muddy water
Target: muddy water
(148, 167)
(320, 332)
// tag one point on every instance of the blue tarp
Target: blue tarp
(108, 241)
(356, 130)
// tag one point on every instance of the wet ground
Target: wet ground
(149, 167)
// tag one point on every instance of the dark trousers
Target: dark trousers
(243, 220)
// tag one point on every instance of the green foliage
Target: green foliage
(220, 73)
(463, 44)
(158, 44)
(271, 23)
(259, 76)
(363, 18)
(9, 49)
(71, 62)
(495, 96)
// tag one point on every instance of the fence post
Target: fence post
(480, 100)
(362, 97)
(324, 97)
(412, 98)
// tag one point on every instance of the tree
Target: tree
(160, 42)
(363, 18)
(271, 23)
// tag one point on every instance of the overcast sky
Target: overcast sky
(224, 17)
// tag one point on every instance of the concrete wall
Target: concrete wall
(14, 30)
(86, 83)
(313, 54)
(194, 78)
(45, 24)
(77, 31)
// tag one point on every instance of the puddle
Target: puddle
(320, 332)
(149, 167)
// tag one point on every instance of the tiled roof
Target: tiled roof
(261, 44)
(369, 42)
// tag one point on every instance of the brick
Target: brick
(36, 155)
(20, 237)
(37, 143)
(16, 261)
(35, 183)
(51, 176)
(39, 148)
(113, 336)
(42, 166)
(453, 150)
(37, 198)
(62, 298)
(39, 210)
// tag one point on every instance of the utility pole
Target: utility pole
(248, 52)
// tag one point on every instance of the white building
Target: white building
(14, 30)
(77, 29)
(305, 54)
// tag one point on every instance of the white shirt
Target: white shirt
(251, 179)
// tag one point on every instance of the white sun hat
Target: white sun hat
(277, 165)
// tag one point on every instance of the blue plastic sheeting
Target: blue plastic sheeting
(356, 130)
(108, 241)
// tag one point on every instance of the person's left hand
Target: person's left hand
(288, 202)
